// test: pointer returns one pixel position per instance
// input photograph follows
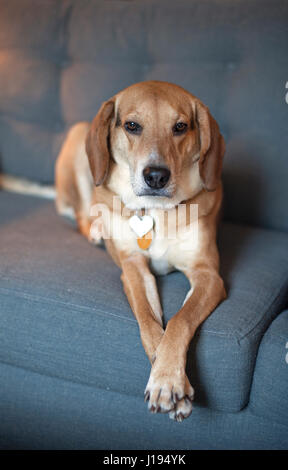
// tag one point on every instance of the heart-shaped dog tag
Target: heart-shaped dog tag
(145, 241)
(141, 225)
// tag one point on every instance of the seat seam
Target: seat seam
(283, 288)
(65, 379)
(39, 299)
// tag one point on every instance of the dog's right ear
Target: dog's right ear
(97, 142)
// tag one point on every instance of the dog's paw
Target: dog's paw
(168, 392)
(182, 410)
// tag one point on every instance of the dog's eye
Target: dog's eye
(179, 128)
(133, 127)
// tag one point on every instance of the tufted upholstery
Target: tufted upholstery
(60, 59)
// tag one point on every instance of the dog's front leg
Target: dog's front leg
(141, 290)
(168, 370)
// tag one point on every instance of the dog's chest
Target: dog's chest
(172, 247)
(158, 253)
(161, 266)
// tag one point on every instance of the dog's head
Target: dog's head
(155, 145)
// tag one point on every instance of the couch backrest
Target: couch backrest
(60, 59)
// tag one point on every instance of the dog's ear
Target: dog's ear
(212, 148)
(97, 142)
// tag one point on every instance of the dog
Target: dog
(156, 147)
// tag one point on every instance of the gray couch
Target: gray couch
(72, 368)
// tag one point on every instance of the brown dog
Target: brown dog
(156, 147)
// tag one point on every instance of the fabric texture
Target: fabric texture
(59, 318)
(72, 367)
(41, 412)
(61, 59)
(269, 391)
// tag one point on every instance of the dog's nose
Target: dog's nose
(156, 177)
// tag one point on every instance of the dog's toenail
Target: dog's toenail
(146, 396)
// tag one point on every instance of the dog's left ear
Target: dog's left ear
(212, 148)
(97, 142)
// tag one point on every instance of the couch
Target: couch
(72, 368)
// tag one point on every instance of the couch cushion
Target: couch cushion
(44, 413)
(64, 314)
(60, 60)
(269, 390)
